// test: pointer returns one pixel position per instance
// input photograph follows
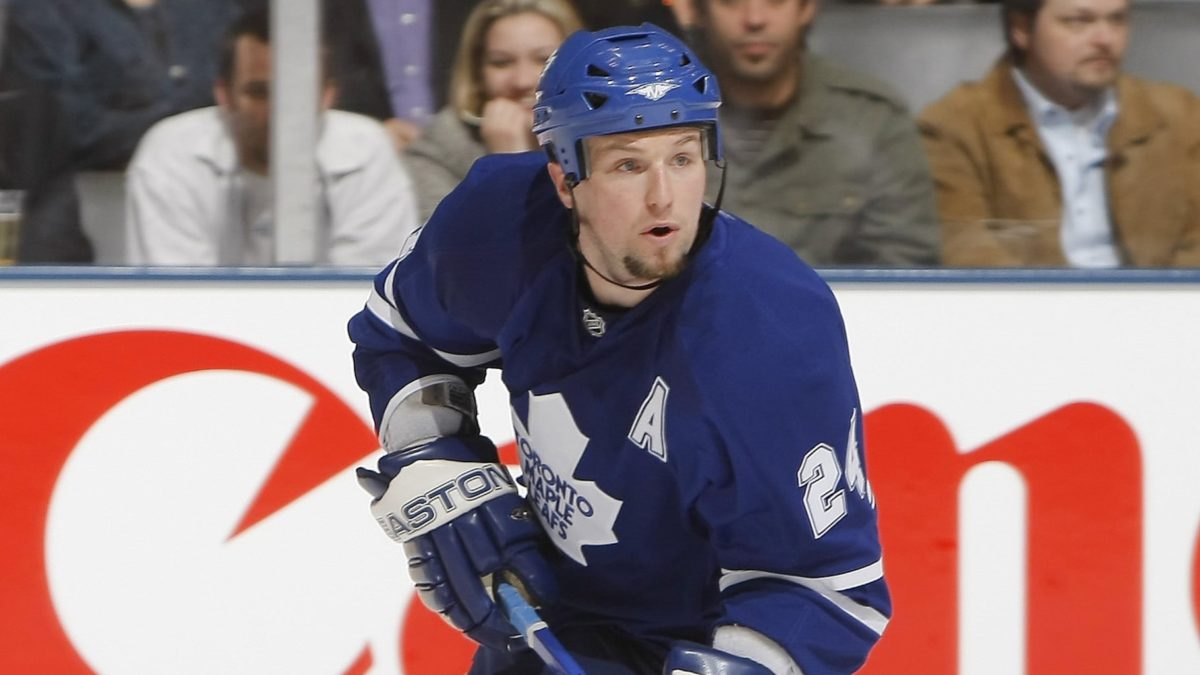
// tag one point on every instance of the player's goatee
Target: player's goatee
(667, 269)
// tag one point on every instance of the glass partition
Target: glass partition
(881, 158)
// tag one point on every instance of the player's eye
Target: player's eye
(682, 160)
(627, 165)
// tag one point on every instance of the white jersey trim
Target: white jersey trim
(389, 286)
(827, 587)
(387, 313)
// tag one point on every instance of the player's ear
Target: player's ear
(560, 184)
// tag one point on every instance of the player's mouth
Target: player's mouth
(660, 231)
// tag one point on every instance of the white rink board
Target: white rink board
(138, 593)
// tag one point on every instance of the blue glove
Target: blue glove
(457, 512)
(689, 658)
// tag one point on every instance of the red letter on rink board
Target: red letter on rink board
(1082, 466)
(1196, 583)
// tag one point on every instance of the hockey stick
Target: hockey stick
(537, 634)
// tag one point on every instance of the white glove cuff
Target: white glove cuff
(428, 408)
(751, 644)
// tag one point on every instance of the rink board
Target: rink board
(178, 494)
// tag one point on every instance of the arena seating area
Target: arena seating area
(922, 51)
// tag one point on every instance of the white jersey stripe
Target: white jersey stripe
(389, 286)
(385, 312)
(827, 587)
(469, 360)
(837, 582)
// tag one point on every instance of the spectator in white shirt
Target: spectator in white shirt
(199, 191)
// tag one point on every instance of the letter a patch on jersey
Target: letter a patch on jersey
(649, 430)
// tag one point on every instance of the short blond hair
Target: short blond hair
(466, 80)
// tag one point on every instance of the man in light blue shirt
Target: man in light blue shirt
(1075, 141)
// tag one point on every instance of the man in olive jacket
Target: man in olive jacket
(1055, 158)
(823, 158)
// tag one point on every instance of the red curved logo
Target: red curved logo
(51, 397)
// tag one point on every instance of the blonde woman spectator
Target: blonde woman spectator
(504, 45)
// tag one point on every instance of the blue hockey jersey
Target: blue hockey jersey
(697, 459)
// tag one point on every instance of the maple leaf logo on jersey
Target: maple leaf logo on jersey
(856, 478)
(654, 90)
(575, 513)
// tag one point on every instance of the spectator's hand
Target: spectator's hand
(402, 132)
(507, 126)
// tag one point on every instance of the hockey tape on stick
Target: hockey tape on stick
(537, 634)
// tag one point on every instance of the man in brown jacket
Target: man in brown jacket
(1055, 158)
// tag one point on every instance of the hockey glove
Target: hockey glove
(689, 658)
(456, 511)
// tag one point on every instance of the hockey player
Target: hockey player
(688, 424)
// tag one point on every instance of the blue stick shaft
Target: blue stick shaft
(537, 634)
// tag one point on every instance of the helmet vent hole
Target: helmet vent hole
(596, 71)
(595, 100)
(701, 85)
(684, 60)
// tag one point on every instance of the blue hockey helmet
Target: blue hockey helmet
(619, 80)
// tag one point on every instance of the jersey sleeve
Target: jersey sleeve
(435, 312)
(786, 500)
(391, 356)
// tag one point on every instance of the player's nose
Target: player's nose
(659, 192)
